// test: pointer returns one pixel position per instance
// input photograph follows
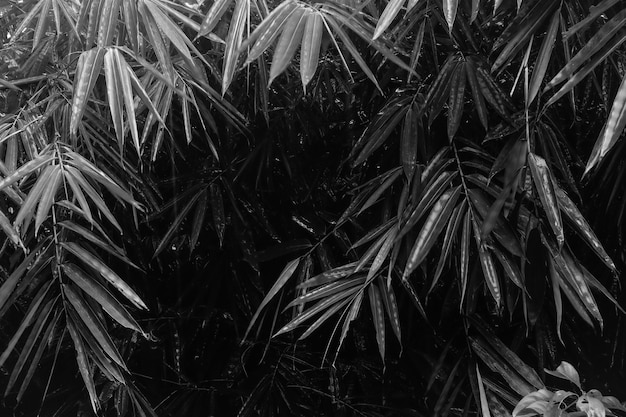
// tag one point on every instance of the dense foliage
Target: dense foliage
(365, 208)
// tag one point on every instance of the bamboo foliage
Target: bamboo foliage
(143, 136)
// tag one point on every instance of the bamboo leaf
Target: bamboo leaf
(329, 276)
(491, 275)
(408, 142)
(510, 268)
(498, 366)
(327, 291)
(382, 254)
(586, 69)
(484, 404)
(84, 368)
(175, 226)
(96, 291)
(353, 312)
(122, 72)
(10, 231)
(131, 23)
(97, 265)
(599, 39)
(612, 129)
(378, 316)
(171, 31)
(456, 101)
(508, 355)
(198, 219)
(432, 193)
(35, 360)
(500, 227)
(329, 20)
(545, 53)
(391, 306)
(544, 183)
(581, 226)
(322, 305)
(436, 220)
(100, 176)
(464, 255)
(451, 230)
(47, 197)
(594, 13)
(90, 236)
(310, 49)
(213, 16)
(233, 41)
(29, 317)
(449, 11)
(108, 22)
(93, 195)
(288, 42)
(78, 195)
(87, 72)
(269, 29)
(89, 318)
(574, 283)
(324, 317)
(34, 196)
(386, 18)
(26, 170)
(517, 35)
(408, 287)
(373, 198)
(110, 370)
(29, 344)
(558, 301)
(284, 276)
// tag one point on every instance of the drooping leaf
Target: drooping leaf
(87, 72)
(322, 305)
(213, 16)
(269, 29)
(47, 198)
(327, 290)
(84, 368)
(99, 293)
(391, 306)
(33, 312)
(612, 129)
(499, 366)
(108, 21)
(284, 276)
(545, 53)
(581, 226)
(544, 183)
(93, 324)
(107, 273)
(378, 315)
(310, 49)
(233, 41)
(386, 18)
(449, 11)
(600, 38)
(484, 404)
(29, 343)
(456, 101)
(433, 226)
